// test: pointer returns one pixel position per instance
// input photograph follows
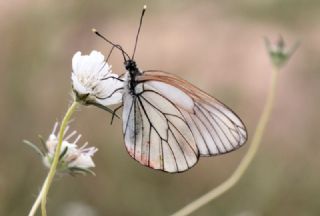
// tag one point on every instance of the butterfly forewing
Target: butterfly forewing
(169, 123)
(156, 133)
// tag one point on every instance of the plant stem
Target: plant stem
(245, 162)
(37, 202)
(42, 197)
(55, 161)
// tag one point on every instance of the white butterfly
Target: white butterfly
(168, 123)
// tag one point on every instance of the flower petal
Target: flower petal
(83, 161)
(78, 86)
(75, 60)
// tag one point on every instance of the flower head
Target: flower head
(93, 81)
(72, 159)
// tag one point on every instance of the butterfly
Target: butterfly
(169, 123)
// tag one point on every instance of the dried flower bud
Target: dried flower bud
(278, 52)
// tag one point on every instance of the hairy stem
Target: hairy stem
(245, 162)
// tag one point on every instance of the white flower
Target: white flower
(72, 158)
(93, 81)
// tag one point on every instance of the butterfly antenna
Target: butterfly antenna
(110, 53)
(137, 36)
(113, 44)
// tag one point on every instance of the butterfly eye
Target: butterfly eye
(127, 65)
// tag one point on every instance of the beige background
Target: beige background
(216, 45)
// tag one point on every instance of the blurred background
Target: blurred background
(216, 45)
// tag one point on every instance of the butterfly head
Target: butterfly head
(131, 66)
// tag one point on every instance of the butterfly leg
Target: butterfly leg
(114, 113)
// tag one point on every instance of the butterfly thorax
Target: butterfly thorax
(134, 71)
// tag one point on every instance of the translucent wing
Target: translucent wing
(156, 133)
(169, 123)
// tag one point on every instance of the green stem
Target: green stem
(42, 197)
(245, 162)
